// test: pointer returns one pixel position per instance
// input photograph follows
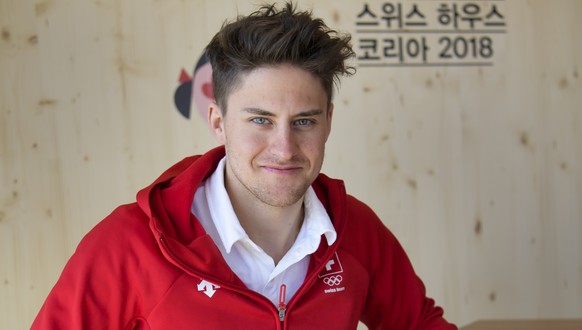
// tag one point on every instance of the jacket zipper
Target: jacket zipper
(282, 307)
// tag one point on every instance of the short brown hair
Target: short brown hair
(270, 36)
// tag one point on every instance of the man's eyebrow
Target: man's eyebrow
(259, 112)
(310, 113)
(262, 112)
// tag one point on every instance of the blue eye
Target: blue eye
(303, 122)
(260, 121)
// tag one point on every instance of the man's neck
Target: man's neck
(274, 229)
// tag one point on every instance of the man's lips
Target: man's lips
(281, 168)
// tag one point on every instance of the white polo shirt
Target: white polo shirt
(248, 261)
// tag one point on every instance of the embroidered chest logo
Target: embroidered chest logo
(207, 288)
(331, 275)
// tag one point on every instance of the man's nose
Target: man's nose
(284, 144)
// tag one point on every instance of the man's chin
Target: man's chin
(281, 199)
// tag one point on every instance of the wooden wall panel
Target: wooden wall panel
(478, 170)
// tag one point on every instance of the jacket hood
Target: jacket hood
(167, 203)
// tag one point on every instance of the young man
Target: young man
(249, 235)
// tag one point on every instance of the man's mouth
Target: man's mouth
(281, 169)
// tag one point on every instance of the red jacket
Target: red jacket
(150, 265)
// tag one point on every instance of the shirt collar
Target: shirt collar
(316, 220)
(315, 223)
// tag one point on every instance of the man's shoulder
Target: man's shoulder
(125, 228)
(362, 221)
(357, 208)
(124, 219)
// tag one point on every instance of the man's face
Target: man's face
(274, 133)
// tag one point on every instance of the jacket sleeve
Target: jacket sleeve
(396, 297)
(95, 289)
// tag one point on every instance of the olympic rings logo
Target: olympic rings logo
(332, 280)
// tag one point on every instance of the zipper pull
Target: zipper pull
(282, 306)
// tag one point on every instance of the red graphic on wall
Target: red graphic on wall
(197, 87)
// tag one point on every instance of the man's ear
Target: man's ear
(216, 122)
